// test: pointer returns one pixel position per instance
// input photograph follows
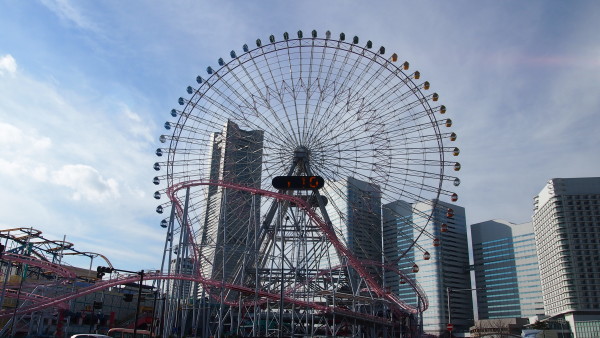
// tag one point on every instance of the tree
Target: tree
(539, 325)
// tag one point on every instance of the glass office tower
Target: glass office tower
(448, 266)
(506, 270)
(355, 213)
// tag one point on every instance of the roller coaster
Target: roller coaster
(251, 249)
(310, 306)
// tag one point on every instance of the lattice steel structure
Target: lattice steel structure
(34, 272)
(270, 262)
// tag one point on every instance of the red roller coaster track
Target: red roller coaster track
(355, 263)
(66, 275)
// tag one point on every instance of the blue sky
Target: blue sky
(85, 87)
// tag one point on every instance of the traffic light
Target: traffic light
(101, 270)
(128, 297)
(98, 305)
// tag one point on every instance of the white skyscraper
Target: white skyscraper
(566, 223)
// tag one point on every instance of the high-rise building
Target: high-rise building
(397, 238)
(355, 213)
(182, 289)
(236, 158)
(566, 222)
(506, 269)
(447, 269)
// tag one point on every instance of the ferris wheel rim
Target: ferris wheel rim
(353, 48)
(410, 137)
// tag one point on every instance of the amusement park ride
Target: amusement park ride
(278, 170)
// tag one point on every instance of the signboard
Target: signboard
(298, 182)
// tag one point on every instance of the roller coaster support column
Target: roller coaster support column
(137, 311)
(153, 313)
(7, 272)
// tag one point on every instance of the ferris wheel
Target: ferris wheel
(281, 166)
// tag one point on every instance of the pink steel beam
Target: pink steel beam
(61, 300)
(13, 293)
(55, 268)
(354, 262)
(415, 286)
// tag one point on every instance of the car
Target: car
(116, 332)
(88, 335)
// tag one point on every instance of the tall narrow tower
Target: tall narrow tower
(236, 158)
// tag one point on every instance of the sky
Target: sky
(85, 87)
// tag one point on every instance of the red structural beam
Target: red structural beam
(355, 263)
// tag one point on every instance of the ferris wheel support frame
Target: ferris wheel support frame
(266, 90)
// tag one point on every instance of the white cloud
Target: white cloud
(13, 139)
(86, 182)
(522, 99)
(8, 65)
(136, 125)
(74, 164)
(21, 150)
(40, 173)
(65, 10)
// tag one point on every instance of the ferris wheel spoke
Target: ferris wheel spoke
(371, 86)
(331, 117)
(394, 96)
(254, 126)
(264, 95)
(387, 95)
(404, 170)
(286, 87)
(317, 106)
(317, 84)
(397, 118)
(292, 62)
(278, 95)
(327, 86)
(308, 93)
(352, 93)
(263, 119)
(416, 128)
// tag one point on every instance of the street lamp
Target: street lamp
(448, 290)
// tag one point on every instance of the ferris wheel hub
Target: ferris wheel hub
(301, 154)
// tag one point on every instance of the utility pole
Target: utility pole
(100, 272)
(450, 326)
